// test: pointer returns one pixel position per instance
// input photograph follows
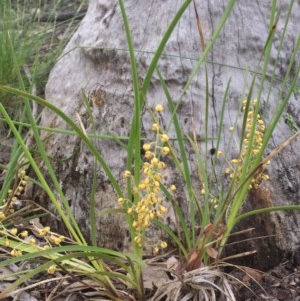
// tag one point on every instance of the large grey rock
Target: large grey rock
(96, 62)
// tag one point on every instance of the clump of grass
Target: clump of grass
(212, 213)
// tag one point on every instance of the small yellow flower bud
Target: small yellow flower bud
(155, 249)
(219, 153)
(24, 183)
(227, 170)
(154, 161)
(147, 171)
(2, 216)
(137, 239)
(161, 165)
(266, 177)
(159, 108)
(22, 173)
(173, 188)
(157, 176)
(154, 127)
(163, 244)
(165, 150)
(7, 243)
(24, 233)
(121, 201)
(231, 129)
(135, 190)
(129, 210)
(13, 231)
(51, 270)
(32, 241)
(234, 161)
(15, 253)
(202, 191)
(146, 146)
(164, 138)
(148, 155)
(163, 209)
(127, 174)
(156, 183)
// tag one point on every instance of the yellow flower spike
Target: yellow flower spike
(127, 174)
(51, 270)
(146, 146)
(164, 138)
(163, 244)
(155, 127)
(24, 233)
(165, 150)
(121, 201)
(2, 216)
(159, 108)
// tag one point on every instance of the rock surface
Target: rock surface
(95, 63)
